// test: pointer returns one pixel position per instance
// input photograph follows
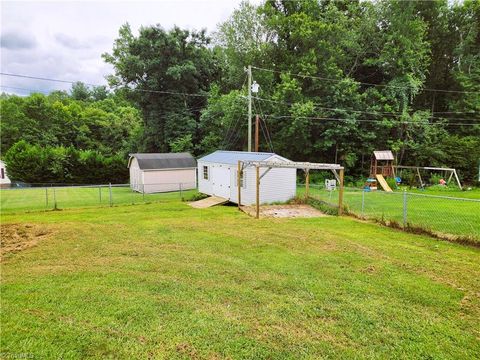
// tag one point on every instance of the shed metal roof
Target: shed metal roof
(383, 155)
(232, 157)
(164, 161)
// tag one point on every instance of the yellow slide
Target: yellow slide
(383, 183)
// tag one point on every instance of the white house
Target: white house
(217, 175)
(152, 173)
(4, 180)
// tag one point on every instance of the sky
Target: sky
(65, 39)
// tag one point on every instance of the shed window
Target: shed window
(205, 172)
(3, 173)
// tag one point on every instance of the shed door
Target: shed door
(220, 178)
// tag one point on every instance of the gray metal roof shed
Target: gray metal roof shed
(164, 161)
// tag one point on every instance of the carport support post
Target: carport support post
(257, 170)
(340, 194)
(307, 183)
(239, 174)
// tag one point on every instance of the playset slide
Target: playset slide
(383, 183)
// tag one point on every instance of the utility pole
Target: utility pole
(257, 120)
(249, 108)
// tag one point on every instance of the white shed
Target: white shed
(152, 173)
(4, 180)
(217, 175)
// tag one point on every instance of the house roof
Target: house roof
(383, 155)
(164, 161)
(232, 157)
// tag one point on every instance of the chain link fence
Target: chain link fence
(444, 216)
(62, 196)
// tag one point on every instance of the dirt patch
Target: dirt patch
(284, 211)
(18, 237)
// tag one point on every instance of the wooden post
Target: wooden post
(257, 169)
(340, 193)
(307, 183)
(450, 178)
(239, 178)
(257, 120)
(419, 177)
(458, 180)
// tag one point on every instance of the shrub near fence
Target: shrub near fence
(63, 197)
(443, 215)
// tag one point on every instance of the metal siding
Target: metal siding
(220, 176)
(135, 176)
(168, 180)
(278, 185)
(204, 186)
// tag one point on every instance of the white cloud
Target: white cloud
(65, 40)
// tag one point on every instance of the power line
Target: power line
(229, 135)
(262, 120)
(22, 89)
(94, 85)
(365, 83)
(362, 120)
(318, 106)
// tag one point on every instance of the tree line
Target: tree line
(337, 81)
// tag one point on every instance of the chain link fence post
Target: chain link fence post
(110, 193)
(143, 192)
(100, 193)
(54, 199)
(181, 193)
(404, 209)
(363, 203)
(46, 197)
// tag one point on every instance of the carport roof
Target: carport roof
(162, 161)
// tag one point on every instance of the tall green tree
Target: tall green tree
(159, 67)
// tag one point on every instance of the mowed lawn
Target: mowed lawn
(35, 199)
(458, 215)
(168, 281)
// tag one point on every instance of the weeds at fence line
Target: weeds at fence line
(452, 218)
(418, 230)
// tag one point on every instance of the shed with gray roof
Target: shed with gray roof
(217, 176)
(162, 172)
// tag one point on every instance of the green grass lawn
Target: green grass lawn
(164, 280)
(35, 199)
(460, 217)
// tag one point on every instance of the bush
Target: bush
(197, 196)
(391, 182)
(36, 164)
